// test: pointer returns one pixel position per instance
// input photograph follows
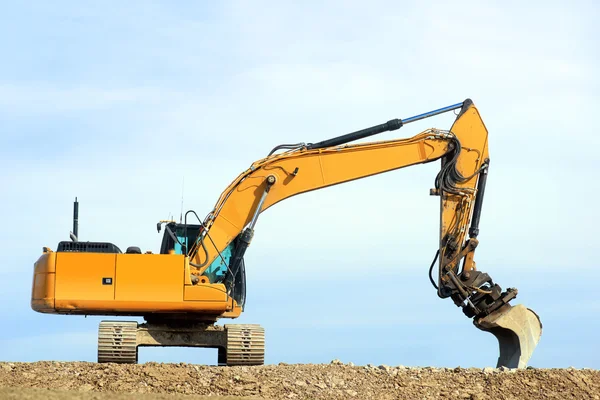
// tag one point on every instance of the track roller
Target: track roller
(117, 342)
(245, 345)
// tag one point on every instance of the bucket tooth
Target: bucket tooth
(518, 330)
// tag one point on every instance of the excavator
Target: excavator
(199, 275)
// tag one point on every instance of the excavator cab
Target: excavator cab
(177, 237)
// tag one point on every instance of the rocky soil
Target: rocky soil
(77, 380)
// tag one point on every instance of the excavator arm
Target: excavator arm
(463, 151)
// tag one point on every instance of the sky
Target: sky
(131, 105)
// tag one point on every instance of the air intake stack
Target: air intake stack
(75, 233)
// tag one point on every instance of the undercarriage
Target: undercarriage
(237, 344)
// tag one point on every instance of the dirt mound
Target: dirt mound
(306, 381)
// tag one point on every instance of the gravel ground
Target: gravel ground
(78, 380)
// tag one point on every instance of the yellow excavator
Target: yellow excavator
(199, 275)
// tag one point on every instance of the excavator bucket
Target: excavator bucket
(518, 330)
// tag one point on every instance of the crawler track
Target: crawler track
(245, 345)
(117, 342)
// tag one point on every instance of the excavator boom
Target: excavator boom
(463, 151)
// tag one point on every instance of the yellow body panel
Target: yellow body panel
(79, 276)
(96, 307)
(141, 284)
(149, 277)
(206, 292)
(42, 291)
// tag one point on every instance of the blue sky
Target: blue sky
(118, 102)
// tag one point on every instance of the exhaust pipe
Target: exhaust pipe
(74, 235)
(518, 330)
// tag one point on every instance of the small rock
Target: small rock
(86, 388)
(385, 368)
(351, 364)
(300, 383)
(321, 385)
(6, 367)
(336, 362)
(338, 382)
(351, 393)
(489, 370)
